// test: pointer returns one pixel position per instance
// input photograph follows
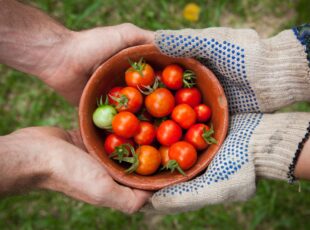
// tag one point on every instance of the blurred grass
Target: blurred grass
(277, 205)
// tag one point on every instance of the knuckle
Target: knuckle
(98, 195)
(131, 209)
(128, 25)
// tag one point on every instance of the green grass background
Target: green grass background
(25, 101)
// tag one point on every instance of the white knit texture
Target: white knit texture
(239, 188)
(275, 141)
(276, 68)
(278, 71)
(272, 146)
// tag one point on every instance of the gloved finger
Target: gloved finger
(223, 51)
(210, 43)
(230, 176)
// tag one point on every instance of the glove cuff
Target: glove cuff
(277, 143)
(278, 71)
(302, 33)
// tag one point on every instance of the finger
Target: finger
(126, 199)
(75, 138)
(229, 177)
(210, 43)
(132, 35)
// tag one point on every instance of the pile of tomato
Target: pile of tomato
(156, 119)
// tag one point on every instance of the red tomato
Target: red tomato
(199, 135)
(164, 150)
(168, 133)
(172, 76)
(190, 96)
(130, 100)
(184, 115)
(113, 141)
(125, 124)
(184, 154)
(203, 112)
(139, 74)
(114, 92)
(146, 133)
(149, 160)
(160, 103)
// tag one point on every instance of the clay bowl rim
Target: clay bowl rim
(135, 180)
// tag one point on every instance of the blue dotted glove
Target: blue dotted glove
(258, 144)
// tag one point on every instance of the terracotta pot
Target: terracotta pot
(111, 74)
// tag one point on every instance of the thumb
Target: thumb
(126, 199)
(180, 43)
(132, 35)
(210, 43)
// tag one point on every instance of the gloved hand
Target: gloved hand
(257, 76)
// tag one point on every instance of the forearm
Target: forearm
(302, 170)
(20, 168)
(29, 39)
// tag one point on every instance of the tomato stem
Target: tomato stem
(121, 151)
(207, 135)
(121, 101)
(100, 103)
(189, 78)
(124, 156)
(138, 66)
(149, 89)
(135, 163)
(172, 165)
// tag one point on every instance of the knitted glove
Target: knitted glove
(257, 76)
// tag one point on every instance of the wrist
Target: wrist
(49, 57)
(30, 41)
(276, 144)
(21, 167)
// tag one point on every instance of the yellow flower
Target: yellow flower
(191, 12)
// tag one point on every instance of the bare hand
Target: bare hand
(51, 158)
(82, 52)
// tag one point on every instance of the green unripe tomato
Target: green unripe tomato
(103, 116)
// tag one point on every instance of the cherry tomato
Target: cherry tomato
(113, 141)
(190, 96)
(149, 160)
(115, 93)
(200, 136)
(184, 154)
(146, 133)
(160, 103)
(139, 74)
(104, 115)
(125, 124)
(164, 150)
(130, 100)
(184, 115)
(172, 76)
(203, 112)
(168, 133)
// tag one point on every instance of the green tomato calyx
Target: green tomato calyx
(189, 79)
(207, 135)
(137, 66)
(172, 165)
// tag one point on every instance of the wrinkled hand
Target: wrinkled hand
(60, 158)
(80, 53)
